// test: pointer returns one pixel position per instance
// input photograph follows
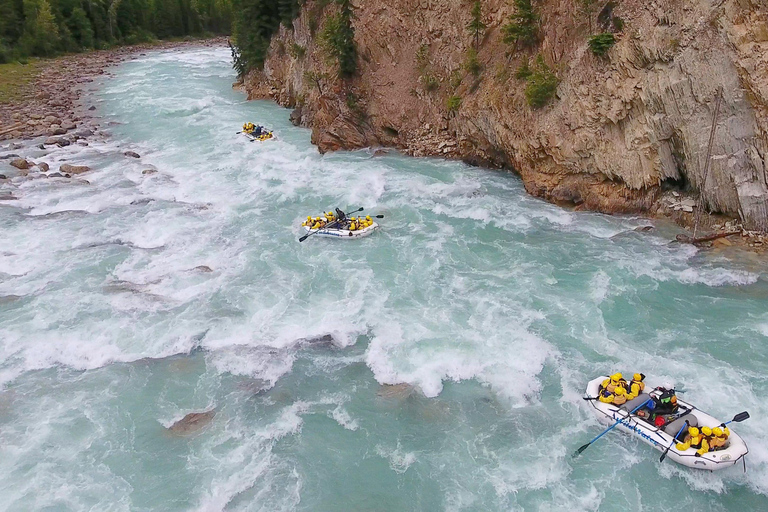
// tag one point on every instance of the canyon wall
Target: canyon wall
(621, 130)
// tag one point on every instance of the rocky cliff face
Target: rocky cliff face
(622, 128)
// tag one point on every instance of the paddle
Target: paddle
(738, 418)
(663, 455)
(584, 447)
(327, 226)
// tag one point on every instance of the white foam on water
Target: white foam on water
(399, 460)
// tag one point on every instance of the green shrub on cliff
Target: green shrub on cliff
(453, 103)
(524, 71)
(523, 26)
(472, 64)
(542, 84)
(338, 39)
(601, 43)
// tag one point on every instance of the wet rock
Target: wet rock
(203, 268)
(83, 132)
(3, 177)
(147, 172)
(68, 125)
(7, 197)
(58, 130)
(91, 108)
(43, 166)
(644, 229)
(73, 169)
(192, 422)
(20, 163)
(55, 175)
(8, 156)
(52, 140)
(132, 154)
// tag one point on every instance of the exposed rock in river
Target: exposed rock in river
(192, 422)
(620, 128)
(73, 169)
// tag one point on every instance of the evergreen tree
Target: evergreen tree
(523, 26)
(476, 26)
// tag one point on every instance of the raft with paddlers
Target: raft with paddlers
(256, 132)
(340, 225)
(682, 432)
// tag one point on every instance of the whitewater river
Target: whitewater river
(495, 307)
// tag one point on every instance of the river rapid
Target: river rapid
(436, 365)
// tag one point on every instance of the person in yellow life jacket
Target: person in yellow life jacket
(619, 396)
(636, 386)
(353, 226)
(613, 381)
(694, 439)
(606, 396)
(719, 438)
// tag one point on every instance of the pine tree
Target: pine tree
(523, 26)
(476, 26)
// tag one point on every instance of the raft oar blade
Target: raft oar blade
(378, 216)
(741, 417)
(578, 452)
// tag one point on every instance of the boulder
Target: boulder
(132, 154)
(52, 140)
(20, 163)
(43, 166)
(192, 422)
(3, 177)
(68, 125)
(83, 132)
(49, 120)
(56, 130)
(9, 156)
(36, 116)
(91, 108)
(147, 172)
(73, 169)
(55, 175)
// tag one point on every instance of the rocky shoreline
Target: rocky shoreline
(55, 108)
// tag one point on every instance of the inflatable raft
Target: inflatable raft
(660, 438)
(343, 233)
(260, 138)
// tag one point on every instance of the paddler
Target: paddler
(695, 439)
(636, 386)
(619, 396)
(613, 381)
(719, 438)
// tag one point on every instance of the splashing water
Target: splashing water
(437, 365)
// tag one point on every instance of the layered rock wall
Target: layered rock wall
(621, 128)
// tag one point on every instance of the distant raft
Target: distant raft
(259, 138)
(348, 228)
(661, 437)
(346, 234)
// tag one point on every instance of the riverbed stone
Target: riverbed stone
(73, 169)
(132, 154)
(43, 166)
(20, 163)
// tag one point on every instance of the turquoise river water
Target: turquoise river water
(436, 365)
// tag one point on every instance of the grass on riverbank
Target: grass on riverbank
(16, 80)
